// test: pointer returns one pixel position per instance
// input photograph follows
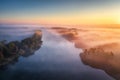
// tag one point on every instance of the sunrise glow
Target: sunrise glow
(71, 13)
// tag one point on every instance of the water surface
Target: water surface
(57, 59)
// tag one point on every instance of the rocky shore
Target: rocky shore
(26, 47)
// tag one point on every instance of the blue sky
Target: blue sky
(48, 5)
(17, 9)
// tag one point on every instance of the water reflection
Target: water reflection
(10, 52)
(105, 56)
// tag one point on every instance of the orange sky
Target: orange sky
(69, 14)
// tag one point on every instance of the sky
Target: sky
(63, 12)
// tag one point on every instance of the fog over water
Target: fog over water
(57, 59)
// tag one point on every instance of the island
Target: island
(26, 47)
